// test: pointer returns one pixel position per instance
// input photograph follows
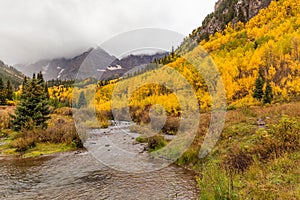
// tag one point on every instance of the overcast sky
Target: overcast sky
(31, 30)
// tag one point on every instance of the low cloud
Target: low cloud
(36, 29)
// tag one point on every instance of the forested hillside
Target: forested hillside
(267, 48)
(10, 73)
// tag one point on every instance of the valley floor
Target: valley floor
(249, 161)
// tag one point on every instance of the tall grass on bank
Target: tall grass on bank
(61, 130)
(250, 162)
(5, 120)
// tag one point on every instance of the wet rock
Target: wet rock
(146, 148)
(77, 152)
(261, 123)
(141, 151)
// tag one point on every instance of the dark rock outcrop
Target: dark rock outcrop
(226, 11)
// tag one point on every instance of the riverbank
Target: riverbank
(40, 149)
(60, 136)
(257, 155)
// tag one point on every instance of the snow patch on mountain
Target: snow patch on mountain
(59, 74)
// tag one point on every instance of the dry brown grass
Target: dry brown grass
(237, 161)
(61, 129)
(22, 144)
(66, 111)
(4, 117)
(252, 162)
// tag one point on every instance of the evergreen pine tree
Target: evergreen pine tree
(82, 100)
(24, 83)
(172, 53)
(9, 91)
(2, 93)
(40, 78)
(47, 91)
(258, 91)
(32, 110)
(268, 97)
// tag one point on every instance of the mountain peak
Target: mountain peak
(98, 60)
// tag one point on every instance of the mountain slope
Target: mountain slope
(10, 73)
(268, 46)
(226, 11)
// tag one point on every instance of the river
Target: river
(78, 175)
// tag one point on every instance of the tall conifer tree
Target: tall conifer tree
(268, 96)
(9, 91)
(2, 93)
(258, 92)
(33, 110)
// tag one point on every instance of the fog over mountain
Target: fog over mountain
(100, 65)
(32, 30)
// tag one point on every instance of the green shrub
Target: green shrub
(287, 133)
(156, 142)
(278, 139)
(141, 139)
(190, 156)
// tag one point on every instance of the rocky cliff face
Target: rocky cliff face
(255, 6)
(244, 9)
(225, 11)
(233, 11)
